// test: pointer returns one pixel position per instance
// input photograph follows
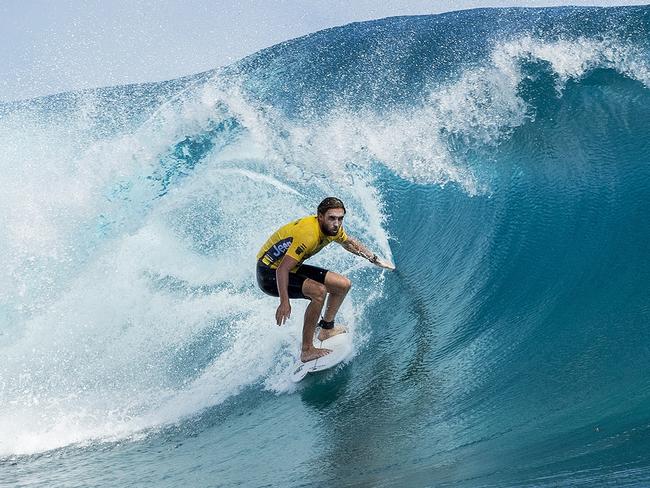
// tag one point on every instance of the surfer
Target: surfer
(281, 272)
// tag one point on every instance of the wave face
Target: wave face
(500, 157)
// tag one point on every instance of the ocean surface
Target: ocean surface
(501, 159)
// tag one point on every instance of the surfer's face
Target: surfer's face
(331, 221)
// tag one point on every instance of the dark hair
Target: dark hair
(328, 203)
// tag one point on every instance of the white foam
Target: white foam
(571, 59)
(479, 108)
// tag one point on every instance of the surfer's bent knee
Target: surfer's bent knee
(347, 283)
(314, 290)
(338, 282)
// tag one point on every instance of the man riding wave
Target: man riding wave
(281, 272)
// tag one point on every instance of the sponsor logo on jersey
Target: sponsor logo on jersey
(279, 249)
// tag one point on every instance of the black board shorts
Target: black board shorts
(269, 285)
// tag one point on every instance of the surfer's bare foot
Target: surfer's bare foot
(327, 333)
(313, 353)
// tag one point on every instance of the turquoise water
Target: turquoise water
(499, 157)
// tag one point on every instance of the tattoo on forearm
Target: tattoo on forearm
(359, 249)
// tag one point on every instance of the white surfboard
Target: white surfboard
(341, 346)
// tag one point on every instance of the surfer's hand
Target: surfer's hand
(383, 264)
(283, 313)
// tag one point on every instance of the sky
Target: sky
(53, 46)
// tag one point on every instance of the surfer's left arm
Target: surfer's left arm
(355, 247)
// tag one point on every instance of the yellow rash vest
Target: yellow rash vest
(299, 239)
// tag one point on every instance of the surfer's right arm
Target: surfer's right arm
(282, 277)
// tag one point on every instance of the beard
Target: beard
(329, 231)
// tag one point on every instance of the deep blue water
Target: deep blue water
(499, 157)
